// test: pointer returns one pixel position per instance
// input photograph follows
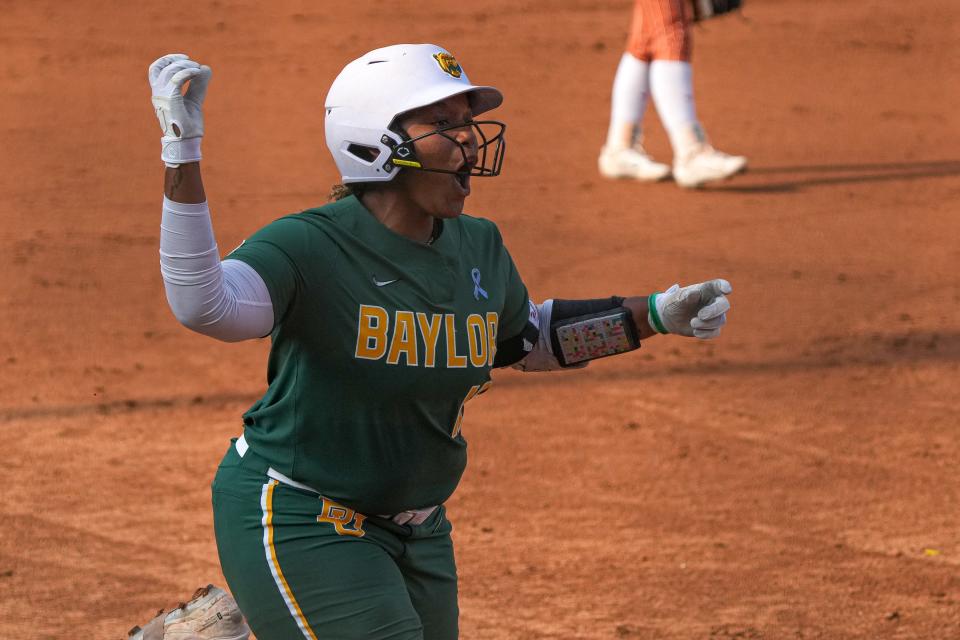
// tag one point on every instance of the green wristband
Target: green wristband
(652, 307)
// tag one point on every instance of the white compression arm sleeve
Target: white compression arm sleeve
(225, 300)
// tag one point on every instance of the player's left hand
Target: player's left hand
(697, 310)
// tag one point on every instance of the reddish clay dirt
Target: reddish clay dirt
(795, 479)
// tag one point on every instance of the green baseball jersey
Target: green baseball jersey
(378, 342)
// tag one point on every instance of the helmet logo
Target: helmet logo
(448, 64)
(403, 156)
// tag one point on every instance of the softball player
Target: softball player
(387, 310)
(657, 63)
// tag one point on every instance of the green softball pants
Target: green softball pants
(302, 566)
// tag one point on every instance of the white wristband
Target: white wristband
(177, 151)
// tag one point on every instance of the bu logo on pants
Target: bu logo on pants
(341, 517)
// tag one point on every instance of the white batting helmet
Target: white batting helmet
(375, 88)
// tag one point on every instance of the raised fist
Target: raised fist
(180, 115)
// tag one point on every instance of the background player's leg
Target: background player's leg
(695, 161)
(671, 83)
(294, 577)
(623, 156)
(431, 577)
(628, 102)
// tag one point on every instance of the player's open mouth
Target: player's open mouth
(462, 178)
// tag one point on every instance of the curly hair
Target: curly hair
(341, 191)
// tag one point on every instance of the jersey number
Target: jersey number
(475, 390)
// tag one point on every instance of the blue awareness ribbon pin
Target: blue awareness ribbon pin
(477, 289)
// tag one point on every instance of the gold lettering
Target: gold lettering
(493, 321)
(340, 517)
(474, 391)
(371, 333)
(430, 332)
(477, 339)
(404, 341)
(454, 361)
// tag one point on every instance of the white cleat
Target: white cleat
(211, 614)
(706, 164)
(633, 163)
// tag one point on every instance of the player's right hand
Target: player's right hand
(180, 115)
(698, 310)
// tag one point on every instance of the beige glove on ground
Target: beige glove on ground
(211, 614)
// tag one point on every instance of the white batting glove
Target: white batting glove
(698, 311)
(180, 115)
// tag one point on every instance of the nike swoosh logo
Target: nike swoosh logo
(383, 283)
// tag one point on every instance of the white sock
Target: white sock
(671, 85)
(631, 87)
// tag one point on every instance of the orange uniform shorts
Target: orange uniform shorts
(660, 31)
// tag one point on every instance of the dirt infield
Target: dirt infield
(796, 479)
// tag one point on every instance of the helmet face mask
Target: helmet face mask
(491, 147)
(371, 92)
